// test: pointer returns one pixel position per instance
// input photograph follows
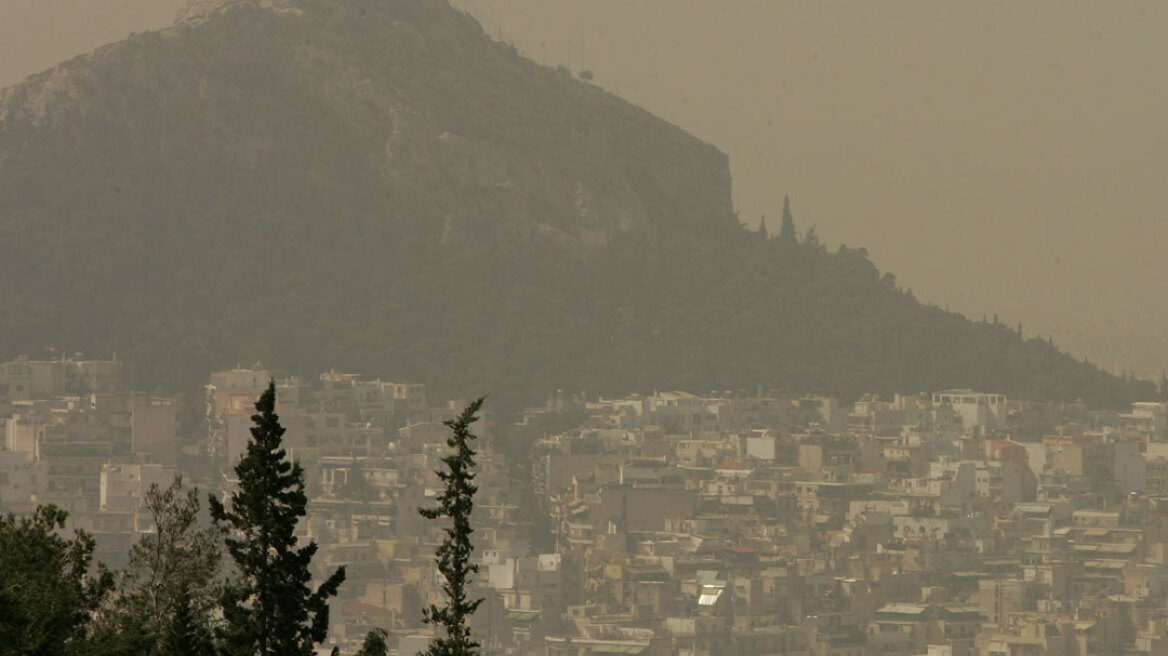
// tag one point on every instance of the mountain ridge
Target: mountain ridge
(379, 185)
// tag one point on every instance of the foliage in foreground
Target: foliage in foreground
(46, 592)
(172, 577)
(171, 600)
(269, 608)
(375, 643)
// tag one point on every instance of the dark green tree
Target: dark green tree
(456, 502)
(186, 631)
(47, 596)
(269, 607)
(375, 644)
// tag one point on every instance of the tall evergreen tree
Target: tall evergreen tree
(453, 556)
(269, 609)
(787, 229)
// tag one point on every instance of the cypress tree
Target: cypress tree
(453, 556)
(787, 229)
(269, 609)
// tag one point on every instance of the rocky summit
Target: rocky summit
(377, 109)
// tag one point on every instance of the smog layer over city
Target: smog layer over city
(551, 328)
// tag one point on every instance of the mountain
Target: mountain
(376, 185)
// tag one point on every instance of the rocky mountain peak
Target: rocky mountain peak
(197, 11)
(377, 184)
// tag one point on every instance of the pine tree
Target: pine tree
(186, 634)
(269, 609)
(787, 229)
(453, 556)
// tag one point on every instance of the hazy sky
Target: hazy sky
(996, 156)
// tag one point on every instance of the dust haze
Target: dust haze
(800, 326)
(998, 157)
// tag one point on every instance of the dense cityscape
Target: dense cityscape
(949, 523)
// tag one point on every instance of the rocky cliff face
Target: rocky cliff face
(387, 109)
